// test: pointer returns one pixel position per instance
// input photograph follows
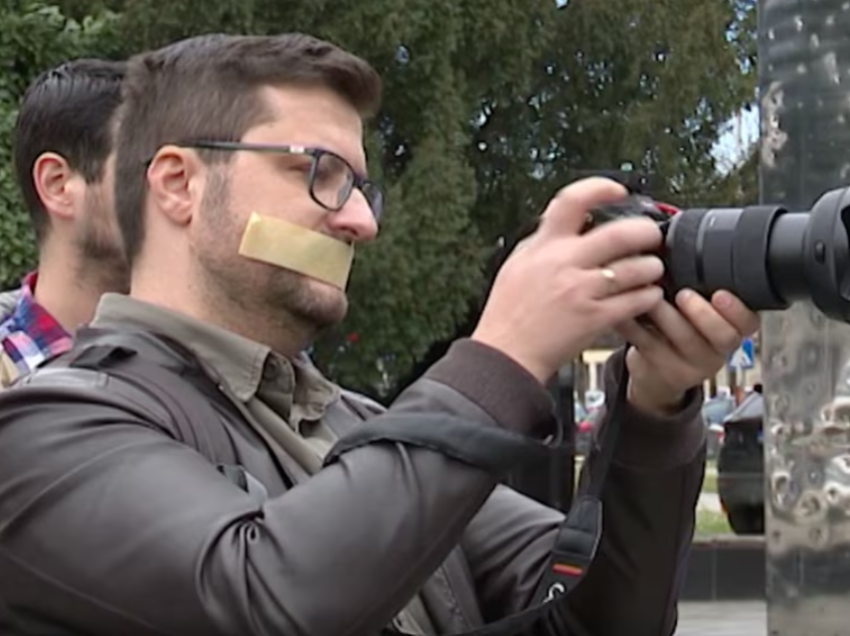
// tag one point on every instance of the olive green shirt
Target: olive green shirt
(283, 399)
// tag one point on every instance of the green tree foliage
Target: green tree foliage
(650, 82)
(489, 107)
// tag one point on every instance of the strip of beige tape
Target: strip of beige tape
(293, 247)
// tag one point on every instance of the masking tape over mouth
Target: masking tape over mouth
(293, 247)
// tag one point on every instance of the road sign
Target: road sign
(742, 358)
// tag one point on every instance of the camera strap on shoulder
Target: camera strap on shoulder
(167, 372)
(186, 391)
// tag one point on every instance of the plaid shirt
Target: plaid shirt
(30, 335)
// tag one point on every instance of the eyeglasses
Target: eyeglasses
(331, 179)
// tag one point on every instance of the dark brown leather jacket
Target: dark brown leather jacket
(110, 527)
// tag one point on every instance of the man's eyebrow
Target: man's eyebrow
(359, 166)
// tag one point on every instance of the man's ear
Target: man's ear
(57, 185)
(175, 178)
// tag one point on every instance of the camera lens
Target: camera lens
(765, 255)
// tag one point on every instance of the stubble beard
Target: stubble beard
(314, 305)
(100, 249)
(276, 296)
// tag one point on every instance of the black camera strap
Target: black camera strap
(579, 535)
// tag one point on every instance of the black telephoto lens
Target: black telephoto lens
(767, 256)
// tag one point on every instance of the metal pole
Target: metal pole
(804, 93)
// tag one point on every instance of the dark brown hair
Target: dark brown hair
(68, 110)
(208, 88)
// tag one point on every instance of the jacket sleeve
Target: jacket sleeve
(109, 526)
(649, 503)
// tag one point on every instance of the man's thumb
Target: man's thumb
(567, 212)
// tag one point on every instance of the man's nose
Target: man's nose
(354, 221)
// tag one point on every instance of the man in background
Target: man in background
(64, 165)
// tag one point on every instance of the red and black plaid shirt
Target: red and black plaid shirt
(30, 335)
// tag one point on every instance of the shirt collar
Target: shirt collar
(31, 334)
(238, 361)
(27, 296)
(33, 318)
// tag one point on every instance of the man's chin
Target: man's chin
(324, 306)
(334, 302)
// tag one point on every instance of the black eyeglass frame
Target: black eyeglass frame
(365, 185)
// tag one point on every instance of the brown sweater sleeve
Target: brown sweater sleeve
(508, 393)
(651, 442)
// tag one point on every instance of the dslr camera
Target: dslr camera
(767, 255)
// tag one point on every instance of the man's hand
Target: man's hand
(684, 347)
(559, 289)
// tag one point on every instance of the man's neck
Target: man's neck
(69, 299)
(276, 332)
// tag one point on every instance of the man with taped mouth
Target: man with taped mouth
(183, 471)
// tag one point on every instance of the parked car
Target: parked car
(740, 467)
(715, 410)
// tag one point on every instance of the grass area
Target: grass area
(711, 523)
(709, 484)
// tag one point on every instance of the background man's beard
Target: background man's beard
(101, 259)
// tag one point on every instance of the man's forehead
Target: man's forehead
(312, 117)
(311, 106)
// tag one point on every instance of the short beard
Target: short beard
(100, 250)
(271, 294)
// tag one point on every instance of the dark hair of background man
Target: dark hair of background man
(67, 110)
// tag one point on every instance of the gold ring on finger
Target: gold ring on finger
(611, 278)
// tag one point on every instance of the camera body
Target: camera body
(637, 205)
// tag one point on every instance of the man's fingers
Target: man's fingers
(624, 275)
(682, 335)
(635, 333)
(654, 348)
(626, 306)
(715, 327)
(567, 211)
(616, 240)
(735, 312)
